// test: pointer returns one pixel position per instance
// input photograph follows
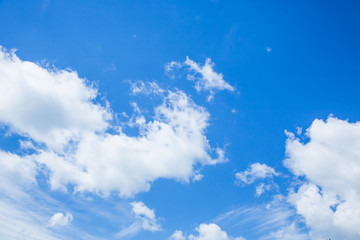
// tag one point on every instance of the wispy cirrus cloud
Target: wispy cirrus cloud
(276, 220)
(26, 212)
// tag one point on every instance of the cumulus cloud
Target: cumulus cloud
(170, 146)
(72, 137)
(254, 172)
(205, 232)
(205, 78)
(329, 200)
(51, 106)
(59, 219)
(147, 216)
(209, 79)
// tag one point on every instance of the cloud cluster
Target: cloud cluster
(56, 111)
(205, 232)
(329, 199)
(170, 146)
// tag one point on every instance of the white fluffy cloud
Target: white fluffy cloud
(254, 172)
(58, 109)
(50, 106)
(147, 216)
(330, 161)
(170, 146)
(59, 219)
(209, 79)
(16, 168)
(205, 78)
(205, 232)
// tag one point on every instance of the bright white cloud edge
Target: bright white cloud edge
(205, 231)
(329, 199)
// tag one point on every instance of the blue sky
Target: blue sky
(180, 120)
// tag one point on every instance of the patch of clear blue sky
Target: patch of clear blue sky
(311, 71)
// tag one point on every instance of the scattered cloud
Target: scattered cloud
(171, 67)
(254, 172)
(140, 87)
(59, 219)
(268, 49)
(205, 78)
(147, 216)
(205, 232)
(329, 199)
(111, 68)
(178, 235)
(208, 79)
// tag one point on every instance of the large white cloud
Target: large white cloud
(58, 108)
(205, 232)
(170, 146)
(50, 106)
(330, 161)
